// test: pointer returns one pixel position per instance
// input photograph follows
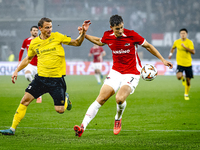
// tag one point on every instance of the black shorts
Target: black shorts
(56, 87)
(188, 71)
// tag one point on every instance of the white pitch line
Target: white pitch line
(174, 130)
(40, 128)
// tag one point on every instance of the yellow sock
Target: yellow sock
(65, 105)
(19, 115)
(187, 89)
(183, 81)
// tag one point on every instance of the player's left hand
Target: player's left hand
(80, 30)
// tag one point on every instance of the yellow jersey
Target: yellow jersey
(183, 57)
(50, 54)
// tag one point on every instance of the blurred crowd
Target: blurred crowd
(12, 9)
(144, 16)
(158, 15)
(176, 13)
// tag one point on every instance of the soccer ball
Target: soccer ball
(149, 72)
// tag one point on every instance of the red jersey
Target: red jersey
(25, 45)
(96, 52)
(124, 51)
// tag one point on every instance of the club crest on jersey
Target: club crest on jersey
(127, 44)
(51, 39)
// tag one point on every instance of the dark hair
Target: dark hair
(33, 27)
(115, 20)
(183, 29)
(41, 22)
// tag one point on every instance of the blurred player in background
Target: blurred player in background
(125, 73)
(11, 57)
(98, 54)
(185, 48)
(51, 69)
(31, 69)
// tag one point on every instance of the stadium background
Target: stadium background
(156, 20)
(156, 117)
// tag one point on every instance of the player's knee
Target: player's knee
(60, 110)
(29, 77)
(27, 99)
(179, 77)
(97, 71)
(119, 99)
(101, 100)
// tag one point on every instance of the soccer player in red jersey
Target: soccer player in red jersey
(125, 73)
(98, 53)
(31, 69)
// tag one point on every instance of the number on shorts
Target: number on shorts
(132, 79)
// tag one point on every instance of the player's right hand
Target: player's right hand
(14, 77)
(167, 63)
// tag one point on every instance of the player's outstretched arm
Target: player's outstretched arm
(81, 37)
(23, 64)
(156, 53)
(94, 39)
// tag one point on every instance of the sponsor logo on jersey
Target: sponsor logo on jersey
(47, 50)
(121, 51)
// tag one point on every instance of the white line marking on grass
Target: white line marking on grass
(40, 128)
(174, 130)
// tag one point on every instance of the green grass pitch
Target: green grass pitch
(156, 117)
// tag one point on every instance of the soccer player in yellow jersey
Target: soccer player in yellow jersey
(51, 69)
(184, 48)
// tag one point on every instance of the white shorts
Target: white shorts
(31, 68)
(97, 66)
(116, 80)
